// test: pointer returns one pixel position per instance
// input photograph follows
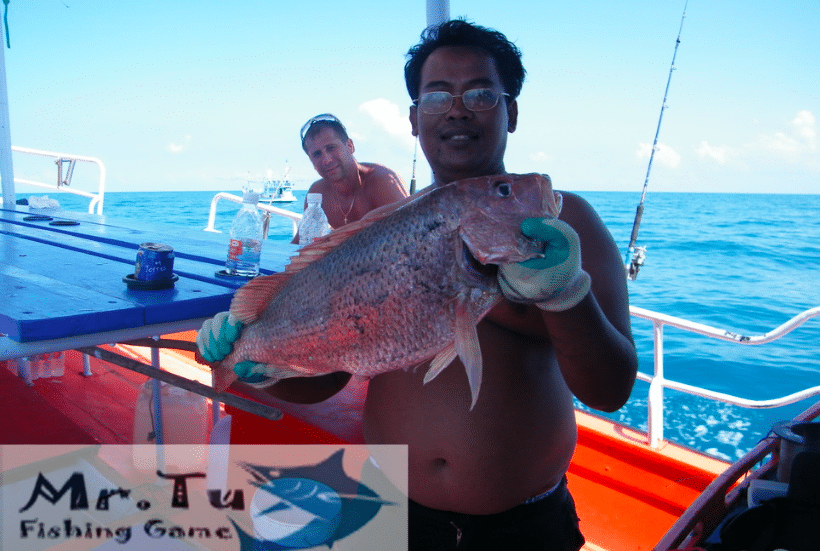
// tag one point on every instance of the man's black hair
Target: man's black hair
(459, 32)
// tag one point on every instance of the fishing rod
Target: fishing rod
(413, 177)
(638, 254)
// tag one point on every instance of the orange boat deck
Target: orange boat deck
(627, 494)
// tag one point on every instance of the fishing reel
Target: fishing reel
(638, 258)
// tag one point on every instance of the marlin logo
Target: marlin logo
(299, 508)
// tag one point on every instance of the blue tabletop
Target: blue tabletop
(64, 281)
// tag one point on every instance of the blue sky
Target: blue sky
(176, 95)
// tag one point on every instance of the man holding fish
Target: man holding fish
(486, 470)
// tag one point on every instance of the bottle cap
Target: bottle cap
(250, 196)
(314, 198)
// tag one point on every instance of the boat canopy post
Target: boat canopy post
(6, 168)
(438, 11)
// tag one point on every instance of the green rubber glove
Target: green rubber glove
(216, 337)
(215, 341)
(253, 373)
(554, 282)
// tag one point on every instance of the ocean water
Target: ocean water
(742, 262)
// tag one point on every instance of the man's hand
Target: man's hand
(215, 341)
(216, 337)
(554, 282)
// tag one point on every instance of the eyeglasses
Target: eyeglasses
(478, 99)
(326, 117)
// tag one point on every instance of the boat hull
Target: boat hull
(627, 494)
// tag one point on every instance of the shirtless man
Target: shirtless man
(349, 189)
(517, 442)
(494, 477)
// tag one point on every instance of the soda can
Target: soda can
(155, 262)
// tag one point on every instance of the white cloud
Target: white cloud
(778, 144)
(389, 117)
(179, 148)
(664, 155)
(805, 127)
(721, 154)
(795, 145)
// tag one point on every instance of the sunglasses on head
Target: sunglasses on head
(325, 117)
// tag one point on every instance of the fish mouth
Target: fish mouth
(484, 274)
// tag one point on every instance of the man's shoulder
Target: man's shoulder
(380, 181)
(378, 170)
(319, 186)
(575, 207)
(583, 218)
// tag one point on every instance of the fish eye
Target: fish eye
(503, 189)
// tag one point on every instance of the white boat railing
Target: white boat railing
(67, 161)
(267, 210)
(657, 382)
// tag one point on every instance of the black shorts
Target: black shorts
(548, 524)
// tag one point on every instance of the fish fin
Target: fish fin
(223, 377)
(323, 245)
(251, 299)
(277, 372)
(273, 373)
(553, 207)
(442, 360)
(557, 205)
(467, 345)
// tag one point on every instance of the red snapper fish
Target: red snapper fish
(406, 284)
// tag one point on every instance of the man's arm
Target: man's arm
(593, 340)
(590, 331)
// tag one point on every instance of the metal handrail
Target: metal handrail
(268, 210)
(63, 181)
(657, 382)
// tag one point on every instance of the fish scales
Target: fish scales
(362, 308)
(390, 295)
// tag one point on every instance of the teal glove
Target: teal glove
(215, 341)
(554, 282)
(216, 337)
(253, 373)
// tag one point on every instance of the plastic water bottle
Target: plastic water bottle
(34, 366)
(56, 364)
(247, 234)
(185, 420)
(314, 222)
(44, 366)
